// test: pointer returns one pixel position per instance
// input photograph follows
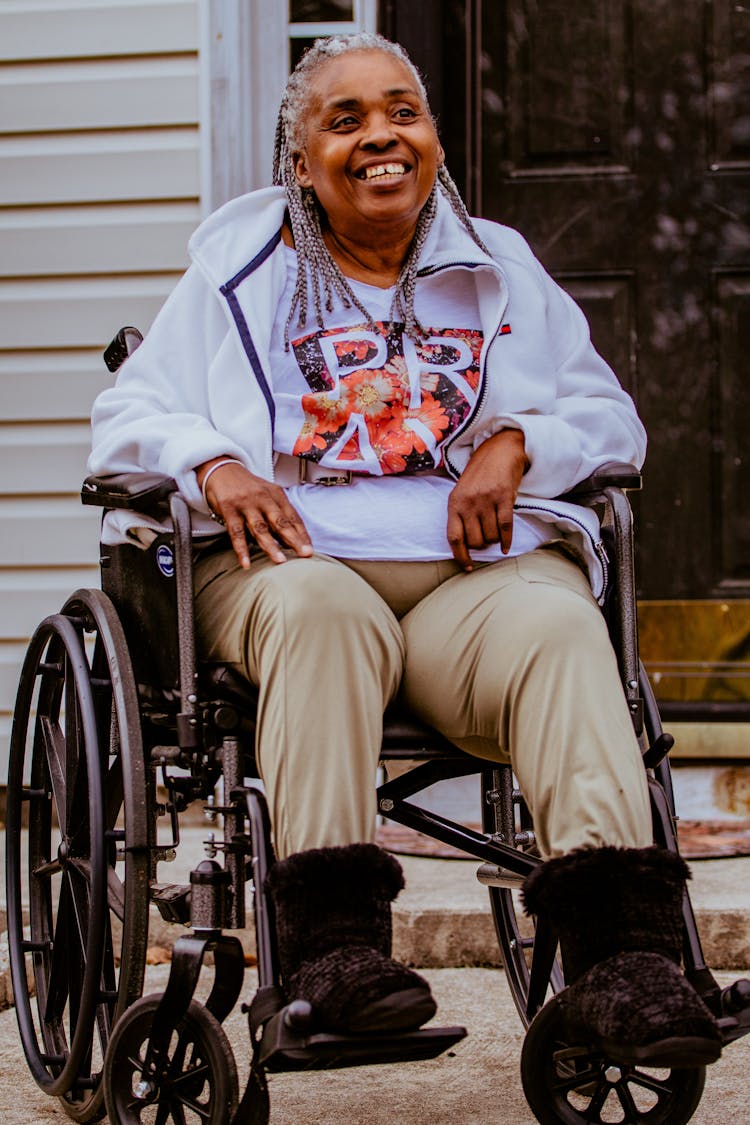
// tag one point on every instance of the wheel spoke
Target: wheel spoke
(627, 1103)
(188, 1077)
(80, 887)
(597, 1102)
(77, 793)
(116, 894)
(105, 1012)
(113, 787)
(47, 870)
(574, 1080)
(54, 748)
(658, 1086)
(162, 1114)
(202, 1111)
(58, 982)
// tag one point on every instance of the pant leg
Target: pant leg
(514, 660)
(326, 653)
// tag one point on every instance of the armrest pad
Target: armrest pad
(123, 345)
(614, 474)
(138, 492)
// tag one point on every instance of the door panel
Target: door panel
(615, 135)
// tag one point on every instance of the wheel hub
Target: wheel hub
(145, 1090)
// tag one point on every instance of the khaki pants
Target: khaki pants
(511, 660)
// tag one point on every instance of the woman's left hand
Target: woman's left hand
(480, 507)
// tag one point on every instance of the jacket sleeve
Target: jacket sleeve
(156, 417)
(588, 419)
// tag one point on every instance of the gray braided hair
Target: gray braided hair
(319, 278)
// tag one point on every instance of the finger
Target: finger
(261, 533)
(505, 523)
(237, 533)
(490, 524)
(457, 541)
(289, 528)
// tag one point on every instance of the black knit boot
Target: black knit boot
(333, 922)
(618, 915)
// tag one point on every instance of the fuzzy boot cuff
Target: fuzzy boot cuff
(333, 927)
(603, 901)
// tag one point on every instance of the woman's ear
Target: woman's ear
(440, 155)
(300, 170)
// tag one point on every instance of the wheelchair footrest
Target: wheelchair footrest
(284, 1048)
(173, 901)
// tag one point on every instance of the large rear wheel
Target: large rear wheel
(77, 778)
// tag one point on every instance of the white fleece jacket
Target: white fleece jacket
(198, 385)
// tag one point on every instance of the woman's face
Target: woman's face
(371, 150)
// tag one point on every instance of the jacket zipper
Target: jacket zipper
(597, 544)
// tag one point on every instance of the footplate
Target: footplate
(287, 1048)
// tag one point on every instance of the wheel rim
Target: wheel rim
(76, 851)
(65, 943)
(573, 1085)
(195, 1084)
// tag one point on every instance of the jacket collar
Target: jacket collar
(229, 240)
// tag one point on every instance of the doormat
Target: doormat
(698, 839)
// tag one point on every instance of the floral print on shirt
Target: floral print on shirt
(381, 403)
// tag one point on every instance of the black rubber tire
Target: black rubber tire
(86, 862)
(566, 1084)
(198, 1047)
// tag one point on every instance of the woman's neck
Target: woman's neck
(378, 265)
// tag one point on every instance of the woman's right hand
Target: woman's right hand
(247, 503)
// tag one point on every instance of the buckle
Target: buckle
(311, 473)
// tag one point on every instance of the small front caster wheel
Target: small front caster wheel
(570, 1084)
(198, 1082)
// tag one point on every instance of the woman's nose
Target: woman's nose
(379, 132)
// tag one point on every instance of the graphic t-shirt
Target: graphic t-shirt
(369, 399)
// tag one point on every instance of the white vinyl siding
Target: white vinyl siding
(99, 192)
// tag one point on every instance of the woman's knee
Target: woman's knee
(317, 593)
(319, 610)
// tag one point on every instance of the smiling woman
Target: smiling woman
(353, 326)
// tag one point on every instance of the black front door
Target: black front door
(615, 135)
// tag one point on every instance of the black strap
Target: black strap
(266, 1003)
(255, 1107)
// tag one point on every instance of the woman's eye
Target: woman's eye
(405, 113)
(345, 123)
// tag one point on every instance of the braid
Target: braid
(319, 279)
(318, 275)
(452, 194)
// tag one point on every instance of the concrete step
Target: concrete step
(442, 919)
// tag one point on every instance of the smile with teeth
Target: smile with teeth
(376, 170)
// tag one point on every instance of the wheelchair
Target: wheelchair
(119, 728)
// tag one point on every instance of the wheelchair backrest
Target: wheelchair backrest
(141, 584)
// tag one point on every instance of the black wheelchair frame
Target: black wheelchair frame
(112, 697)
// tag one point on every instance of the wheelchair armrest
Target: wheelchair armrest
(138, 492)
(124, 344)
(613, 474)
